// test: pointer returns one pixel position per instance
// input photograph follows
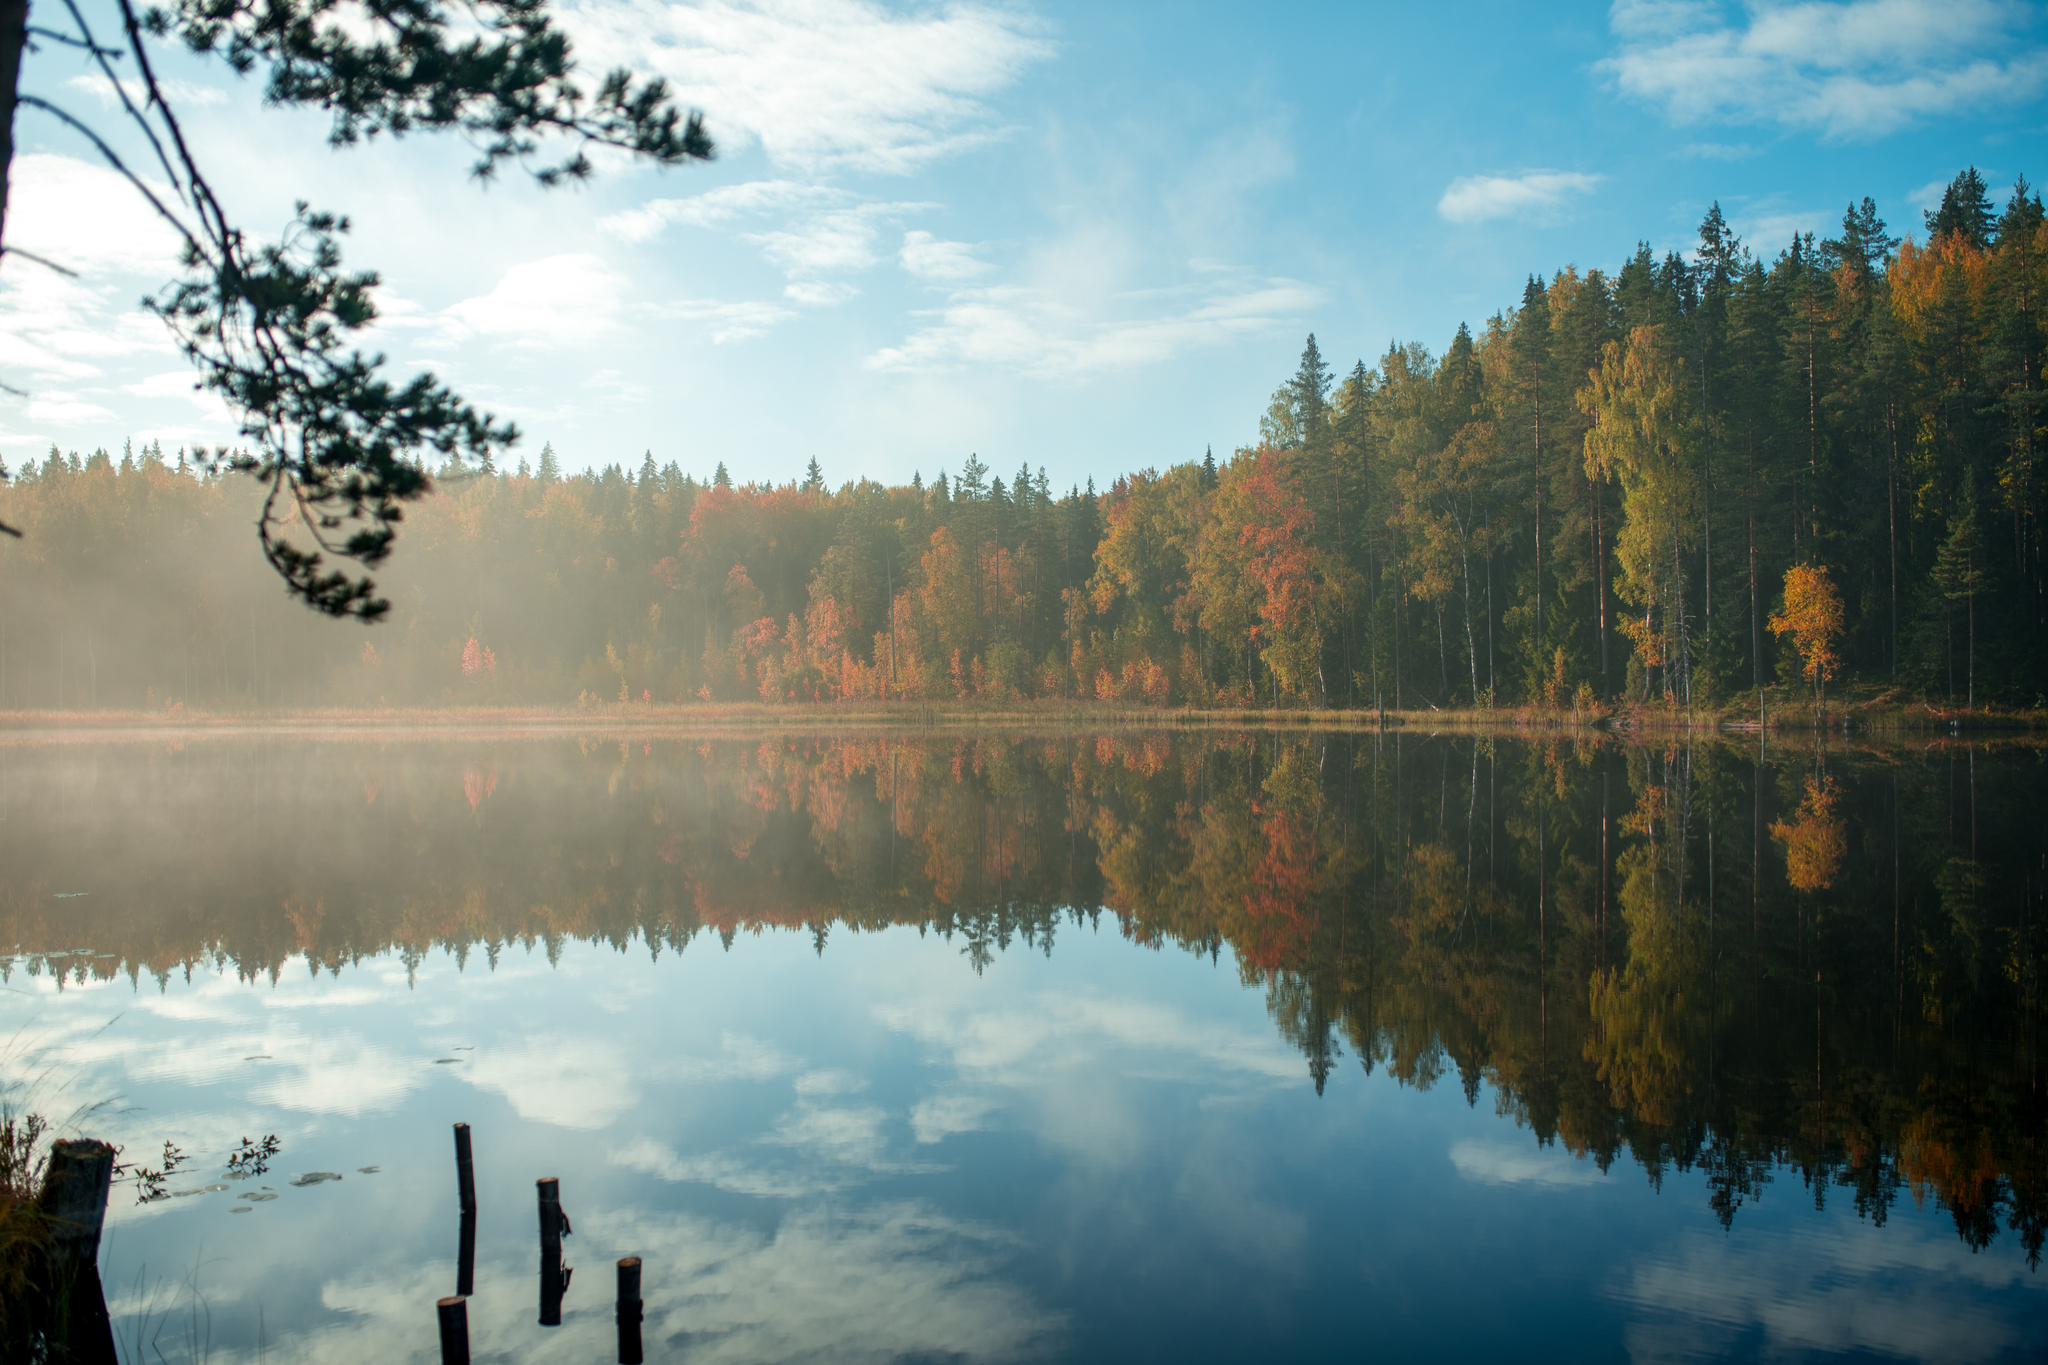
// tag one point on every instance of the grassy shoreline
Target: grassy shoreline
(1787, 713)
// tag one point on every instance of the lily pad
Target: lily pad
(315, 1178)
(444, 1061)
(368, 1170)
(241, 1208)
(258, 1198)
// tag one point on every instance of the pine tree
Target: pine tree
(550, 467)
(814, 477)
(719, 478)
(1209, 466)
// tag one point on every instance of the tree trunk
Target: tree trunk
(13, 40)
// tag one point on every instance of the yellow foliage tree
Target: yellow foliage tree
(1816, 841)
(1813, 617)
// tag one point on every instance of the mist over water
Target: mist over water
(1189, 1046)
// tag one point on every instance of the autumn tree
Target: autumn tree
(1812, 616)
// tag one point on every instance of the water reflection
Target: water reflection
(1768, 981)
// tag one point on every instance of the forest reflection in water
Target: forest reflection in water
(1822, 963)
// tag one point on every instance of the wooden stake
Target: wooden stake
(465, 1173)
(554, 1225)
(74, 1199)
(465, 1257)
(629, 1311)
(454, 1312)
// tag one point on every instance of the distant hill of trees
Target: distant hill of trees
(1600, 494)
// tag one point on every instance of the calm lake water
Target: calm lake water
(1202, 1047)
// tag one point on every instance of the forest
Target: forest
(1812, 968)
(1683, 483)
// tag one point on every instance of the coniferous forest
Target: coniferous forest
(1678, 483)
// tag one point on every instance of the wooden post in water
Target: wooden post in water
(629, 1311)
(454, 1312)
(465, 1172)
(465, 1257)
(74, 1199)
(554, 1226)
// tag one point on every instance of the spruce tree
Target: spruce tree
(1965, 210)
(719, 478)
(550, 467)
(814, 477)
(1310, 390)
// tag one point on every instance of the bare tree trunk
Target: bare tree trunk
(1471, 649)
(13, 40)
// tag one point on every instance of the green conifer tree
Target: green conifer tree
(1965, 209)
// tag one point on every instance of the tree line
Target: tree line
(1757, 965)
(1682, 483)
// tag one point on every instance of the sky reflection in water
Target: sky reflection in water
(874, 1152)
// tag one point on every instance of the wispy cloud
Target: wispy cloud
(186, 94)
(1719, 151)
(1848, 1288)
(1495, 1163)
(941, 262)
(1853, 70)
(722, 205)
(1031, 330)
(735, 321)
(824, 83)
(1540, 195)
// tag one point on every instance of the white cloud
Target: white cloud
(852, 1137)
(1858, 69)
(833, 241)
(1770, 233)
(182, 384)
(87, 218)
(1538, 195)
(830, 1083)
(721, 205)
(822, 83)
(1039, 332)
(185, 94)
(1851, 1289)
(929, 258)
(1052, 1034)
(936, 1119)
(575, 297)
(581, 1083)
(1486, 1163)
(724, 1172)
(729, 321)
(65, 409)
(892, 1282)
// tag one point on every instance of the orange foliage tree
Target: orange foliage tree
(1813, 617)
(1816, 841)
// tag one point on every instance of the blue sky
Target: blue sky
(1080, 236)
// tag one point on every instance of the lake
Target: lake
(1136, 1046)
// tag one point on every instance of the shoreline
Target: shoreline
(1869, 719)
